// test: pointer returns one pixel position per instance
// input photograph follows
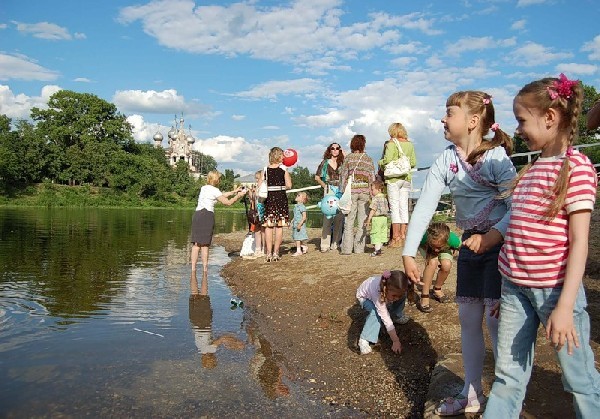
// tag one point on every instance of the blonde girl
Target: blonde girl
(276, 204)
(384, 298)
(299, 224)
(476, 170)
(203, 221)
(377, 219)
(544, 253)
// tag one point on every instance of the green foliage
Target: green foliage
(81, 140)
(302, 177)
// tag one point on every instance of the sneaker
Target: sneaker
(453, 406)
(364, 346)
(402, 319)
(376, 253)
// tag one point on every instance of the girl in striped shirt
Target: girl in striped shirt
(544, 254)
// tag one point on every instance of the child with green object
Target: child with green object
(378, 217)
(438, 246)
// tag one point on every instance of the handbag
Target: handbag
(398, 167)
(263, 191)
(252, 215)
(345, 202)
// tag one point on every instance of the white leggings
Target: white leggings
(470, 316)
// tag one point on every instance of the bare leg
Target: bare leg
(204, 252)
(258, 241)
(442, 275)
(204, 286)
(278, 239)
(403, 228)
(194, 283)
(269, 240)
(195, 250)
(427, 279)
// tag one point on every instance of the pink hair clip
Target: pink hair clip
(386, 274)
(486, 100)
(495, 126)
(453, 167)
(569, 152)
(563, 87)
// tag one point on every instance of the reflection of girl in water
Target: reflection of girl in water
(201, 318)
(265, 369)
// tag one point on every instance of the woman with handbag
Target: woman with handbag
(358, 171)
(328, 176)
(277, 216)
(397, 161)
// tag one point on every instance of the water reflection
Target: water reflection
(96, 318)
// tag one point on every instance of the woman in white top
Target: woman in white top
(203, 221)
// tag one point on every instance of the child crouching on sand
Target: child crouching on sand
(384, 298)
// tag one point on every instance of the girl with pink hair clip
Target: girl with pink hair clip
(544, 254)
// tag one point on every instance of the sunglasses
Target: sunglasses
(335, 148)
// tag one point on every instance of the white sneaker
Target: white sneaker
(364, 346)
(402, 319)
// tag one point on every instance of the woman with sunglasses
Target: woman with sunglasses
(328, 176)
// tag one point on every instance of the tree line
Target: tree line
(82, 141)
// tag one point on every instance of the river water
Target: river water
(96, 319)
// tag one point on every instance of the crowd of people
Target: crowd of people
(521, 257)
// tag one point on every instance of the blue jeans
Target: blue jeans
(373, 322)
(521, 311)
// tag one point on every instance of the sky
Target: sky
(251, 75)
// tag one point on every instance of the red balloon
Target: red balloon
(290, 157)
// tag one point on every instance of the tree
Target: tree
(203, 162)
(302, 177)
(75, 123)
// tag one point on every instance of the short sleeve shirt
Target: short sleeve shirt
(207, 198)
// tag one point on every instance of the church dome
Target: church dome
(190, 139)
(158, 137)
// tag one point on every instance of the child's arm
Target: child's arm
(302, 221)
(560, 328)
(396, 345)
(481, 243)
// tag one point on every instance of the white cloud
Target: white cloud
(518, 25)
(532, 54)
(409, 48)
(403, 61)
(593, 47)
(467, 44)
(271, 89)
(575, 68)
(82, 80)
(19, 106)
(238, 117)
(47, 30)
(20, 67)
(238, 152)
(272, 33)
(271, 127)
(3, 26)
(524, 3)
(151, 101)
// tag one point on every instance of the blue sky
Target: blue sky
(295, 74)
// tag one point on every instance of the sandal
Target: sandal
(425, 308)
(440, 299)
(304, 249)
(275, 258)
(453, 406)
(269, 257)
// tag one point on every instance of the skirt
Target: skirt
(203, 223)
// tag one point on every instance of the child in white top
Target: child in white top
(383, 297)
(545, 251)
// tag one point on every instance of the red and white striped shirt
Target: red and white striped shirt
(535, 248)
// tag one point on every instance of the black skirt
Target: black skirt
(203, 223)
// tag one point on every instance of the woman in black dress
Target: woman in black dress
(276, 205)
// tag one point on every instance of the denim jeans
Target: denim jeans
(521, 311)
(373, 322)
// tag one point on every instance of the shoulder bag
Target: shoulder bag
(345, 202)
(263, 191)
(398, 167)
